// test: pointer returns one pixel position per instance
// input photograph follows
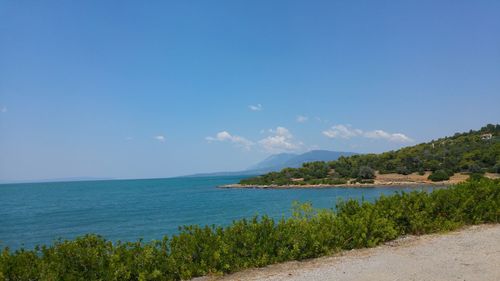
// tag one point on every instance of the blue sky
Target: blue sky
(131, 89)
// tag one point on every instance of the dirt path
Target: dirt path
(469, 254)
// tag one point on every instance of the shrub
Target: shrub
(476, 176)
(403, 170)
(475, 169)
(496, 168)
(366, 172)
(366, 181)
(439, 175)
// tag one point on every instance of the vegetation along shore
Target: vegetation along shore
(445, 161)
(257, 242)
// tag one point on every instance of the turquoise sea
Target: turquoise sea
(39, 213)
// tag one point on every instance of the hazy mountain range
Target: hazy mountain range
(277, 162)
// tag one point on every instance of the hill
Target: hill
(473, 152)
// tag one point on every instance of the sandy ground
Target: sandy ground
(416, 178)
(472, 253)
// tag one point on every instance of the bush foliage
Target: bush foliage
(471, 152)
(257, 242)
(439, 175)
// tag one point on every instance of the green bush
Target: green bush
(257, 242)
(403, 170)
(366, 172)
(439, 175)
(366, 181)
(476, 176)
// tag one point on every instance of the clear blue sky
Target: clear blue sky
(137, 89)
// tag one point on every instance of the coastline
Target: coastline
(381, 180)
(347, 185)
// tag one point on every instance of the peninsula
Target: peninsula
(444, 161)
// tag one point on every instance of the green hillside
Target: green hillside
(474, 152)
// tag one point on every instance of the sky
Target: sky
(142, 89)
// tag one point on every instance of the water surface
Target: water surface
(38, 213)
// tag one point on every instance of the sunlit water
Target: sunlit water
(39, 213)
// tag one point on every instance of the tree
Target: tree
(403, 170)
(475, 169)
(366, 173)
(439, 175)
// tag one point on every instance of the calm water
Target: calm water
(38, 213)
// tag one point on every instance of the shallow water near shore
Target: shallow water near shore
(126, 210)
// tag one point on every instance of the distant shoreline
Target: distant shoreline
(381, 180)
(351, 185)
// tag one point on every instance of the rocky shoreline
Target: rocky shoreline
(350, 185)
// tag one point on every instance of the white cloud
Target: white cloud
(395, 137)
(257, 107)
(401, 137)
(346, 132)
(280, 140)
(302, 119)
(3, 109)
(160, 138)
(129, 138)
(342, 131)
(225, 136)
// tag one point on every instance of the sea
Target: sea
(127, 210)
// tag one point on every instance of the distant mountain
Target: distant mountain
(273, 161)
(277, 162)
